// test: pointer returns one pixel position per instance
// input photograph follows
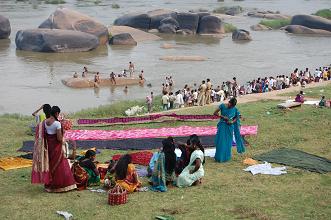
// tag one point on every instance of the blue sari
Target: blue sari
(224, 136)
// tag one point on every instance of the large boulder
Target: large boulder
(298, 29)
(55, 40)
(135, 20)
(311, 21)
(170, 21)
(66, 19)
(260, 27)
(210, 25)
(188, 21)
(241, 35)
(123, 39)
(167, 29)
(5, 28)
(158, 15)
(138, 35)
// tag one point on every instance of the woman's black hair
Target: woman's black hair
(233, 102)
(195, 140)
(47, 110)
(121, 168)
(55, 109)
(170, 155)
(89, 154)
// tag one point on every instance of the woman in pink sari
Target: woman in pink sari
(50, 167)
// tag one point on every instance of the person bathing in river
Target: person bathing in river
(112, 78)
(96, 80)
(141, 75)
(84, 74)
(75, 75)
(131, 68)
(124, 73)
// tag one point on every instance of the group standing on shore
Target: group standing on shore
(206, 93)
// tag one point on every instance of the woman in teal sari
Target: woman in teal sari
(228, 126)
(164, 168)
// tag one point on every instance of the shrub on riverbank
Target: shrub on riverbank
(229, 28)
(55, 2)
(325, 13)
(115, 6)
(276, 23)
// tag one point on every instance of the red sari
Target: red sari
(53, 171)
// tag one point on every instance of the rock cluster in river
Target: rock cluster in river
(309, 24)
(268, 15)
(55, 40)
(171, 22)
(5, 28)
(66, 19)
(64, 30)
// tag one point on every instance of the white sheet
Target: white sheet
(266, 168)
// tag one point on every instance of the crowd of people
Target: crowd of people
(52, 168)
(207, 93)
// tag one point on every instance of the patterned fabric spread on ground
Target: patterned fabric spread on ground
(150, 133)
(146, 119)
(296, 158)
(141, 158)
(10, 163)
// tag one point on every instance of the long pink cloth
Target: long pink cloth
(150, 133)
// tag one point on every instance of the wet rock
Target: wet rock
(167, 29)
(170, 21)
(311, 21)
(5, 28)
(241, 35)
(210, 25)
(66, 19)
(138, 35)
(47, 40)
(268, 15)
(235, 10)
(158, 15)
(298, 29)
(135, 20)
(260, 27)
(184, 32)
(188, 21)
(123, 39)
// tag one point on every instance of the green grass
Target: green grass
(325, 13)
(316, 92)
(275, 23)
(229, 28)
(227, 192)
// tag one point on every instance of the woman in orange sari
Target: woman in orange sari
(125, 174)
(50, 167)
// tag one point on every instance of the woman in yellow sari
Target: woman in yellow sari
(125, 174)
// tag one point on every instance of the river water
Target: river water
(29, 79)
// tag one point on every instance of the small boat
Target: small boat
(89, 82)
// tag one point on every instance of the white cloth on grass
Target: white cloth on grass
(266, 168)
(66, 215)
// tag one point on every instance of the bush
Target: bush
(224, 10)
(229, 28)
(115, 6)
(276, 23)
(55, 2)
(324, 13)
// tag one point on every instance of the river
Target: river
(29, 79)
